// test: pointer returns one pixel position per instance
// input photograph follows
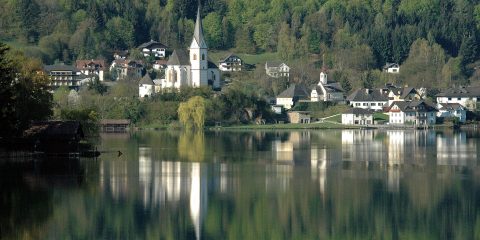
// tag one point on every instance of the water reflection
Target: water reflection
(352, 184)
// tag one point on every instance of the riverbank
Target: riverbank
(324, 125)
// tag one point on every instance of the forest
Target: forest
(435, 41)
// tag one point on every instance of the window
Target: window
(194, 56)
(459, 99)
(365, 104)
(449, 99)
(357, 104)
(203, 56)
(374, 104)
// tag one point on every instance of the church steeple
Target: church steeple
(198, 33)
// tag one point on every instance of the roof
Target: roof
(198, 32)
(89, 64)
(367, 95)
(212, 64)
(179, 57)
(333, 87)
(60, 67)
(229, 56)
(157, 81)
(152, 44)
(403, 92)
(55, 130)
(390, 65)
(359, 111)
(414, 106)
(115, 121)
(274, 64)
(146, 80)
(461, 92)
(293, 91)
(451, 106)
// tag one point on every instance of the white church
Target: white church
(192, 69)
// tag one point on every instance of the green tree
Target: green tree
(119, 33)
(212, 25)
(24, 92)
(192, 113)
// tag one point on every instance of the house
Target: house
(466, 96)
(403, 94)
(391, 68)
(63, 75)
(298, 117)
(122, 69)
(55, 137)
(292, 95)
(326, 91)
(277, 69)
(153, 49)
(358, 116)
(452, 110)
(146, 87)
(114, 125)
(159, 64)
(192, 69)
(92, 68)
(120, 54)
(412, 113)
(374, 99)
(231, 63)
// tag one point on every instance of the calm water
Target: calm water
(351, 184)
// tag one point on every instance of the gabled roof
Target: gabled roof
(367, 95)
(333, 87)
(274, 64)
(179, 57)
(403, 92)
(146, 80)
(212, 64)
(451, 106)
(59, 67)
(198, 32)
(88, 64)
(390, 65)
(414, 106)
(152, 44)
(295, 91)
(229, 56)
(359, 111)
(461, 92)
(54, 130)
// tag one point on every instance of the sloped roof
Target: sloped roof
(451, 106)
(359, 111)
(146, 80)
(59, 67)
(115, 121)
(461, 92)
(390, 65)
(152, 44)
(274, 64)
(179, 57)
(333, 87)
(403, 92)
(229, 56)
(414, 106)
(87, 64)
(212, 64)
(295, 91)
(367, 95)
(54, 130)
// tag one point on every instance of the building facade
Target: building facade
(63, 75)
(92, 67)
(232, 63)
(415, 113)
(374, 99)
(358, 116)
(467, 97)
(277, 69)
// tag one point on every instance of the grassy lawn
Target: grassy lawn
(325, 125)
(336, 118)
(380, 117)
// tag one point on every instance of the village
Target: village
(169, 70)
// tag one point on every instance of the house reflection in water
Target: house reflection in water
(362, 146)
(455, 149)
(291, 147)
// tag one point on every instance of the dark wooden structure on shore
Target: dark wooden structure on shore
(54, 137)
(114, 125)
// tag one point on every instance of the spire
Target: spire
(198, 33)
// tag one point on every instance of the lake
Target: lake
(313, 184)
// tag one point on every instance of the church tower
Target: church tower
(198, 55)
